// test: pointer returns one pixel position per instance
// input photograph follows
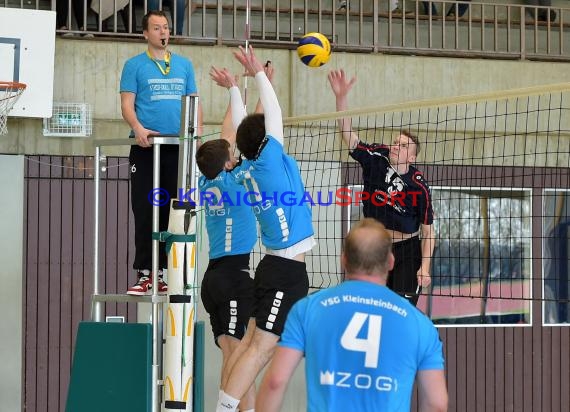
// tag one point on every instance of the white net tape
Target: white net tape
(10, 92)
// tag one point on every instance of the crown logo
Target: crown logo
(327, 378)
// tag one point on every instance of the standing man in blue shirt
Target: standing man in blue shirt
(363, 344)
(152, 86)
(286, 231)
(397, 196)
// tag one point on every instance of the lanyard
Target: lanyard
(166, 63)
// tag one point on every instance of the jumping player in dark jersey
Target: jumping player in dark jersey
(399, 197)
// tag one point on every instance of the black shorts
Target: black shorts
(403, 278)
(227, 295)
(279, 283)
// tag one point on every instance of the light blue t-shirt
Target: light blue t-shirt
(363, 345)
(158, 96)
(230, 224)
(274, 177)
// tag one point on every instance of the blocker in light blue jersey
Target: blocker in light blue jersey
(158, 95)
(272, 181)
(231, 227)
(363, 345)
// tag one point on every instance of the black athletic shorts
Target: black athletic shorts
(403, 278)
(279, 283)
(227, 295)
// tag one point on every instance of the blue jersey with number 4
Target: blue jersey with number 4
(363, 345)
(230, 224)
(275, 190)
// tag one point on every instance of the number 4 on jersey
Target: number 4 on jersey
(369, 345)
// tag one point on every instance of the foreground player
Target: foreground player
(286, 232)
(227, 288)
(399, 197)
(363, 344)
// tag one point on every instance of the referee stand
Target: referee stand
(103, 375)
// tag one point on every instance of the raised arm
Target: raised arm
(340, 86)
(224, 78)
(273, 116)
(269, 71)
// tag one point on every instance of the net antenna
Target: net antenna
(10, 92)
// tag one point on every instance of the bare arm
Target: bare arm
(224, 78)
(130, 116)
(427, 246)
(340, 86)
(273, 116)
(432, 391)
(272, 389)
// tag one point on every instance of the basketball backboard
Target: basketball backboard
(27, 49)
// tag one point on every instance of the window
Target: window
(555, 256)
(481, 268)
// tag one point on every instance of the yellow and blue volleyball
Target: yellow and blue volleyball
(314, 49)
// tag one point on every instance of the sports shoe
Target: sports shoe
(342, 5)
(142, 287)
(162, 286)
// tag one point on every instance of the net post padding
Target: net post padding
(10, 92)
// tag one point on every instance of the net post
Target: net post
(97, 307)
(156, 313)
(187, 148)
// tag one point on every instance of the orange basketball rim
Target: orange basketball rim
(10, 92)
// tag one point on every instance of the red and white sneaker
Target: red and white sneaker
(162, 286)
(143, 287)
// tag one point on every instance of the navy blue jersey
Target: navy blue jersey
(363, 345)
(273, 180)
(230, 224)
(400, 202)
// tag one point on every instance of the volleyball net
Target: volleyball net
(498, 168)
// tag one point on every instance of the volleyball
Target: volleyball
(314, 49)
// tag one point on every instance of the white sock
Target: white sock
(226, 403)
(248, 410)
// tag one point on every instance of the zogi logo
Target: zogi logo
(359, 381)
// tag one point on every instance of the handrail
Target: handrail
(163, 139)
(488, 30)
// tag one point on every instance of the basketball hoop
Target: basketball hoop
(10, 92)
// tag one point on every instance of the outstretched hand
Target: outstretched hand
(223, 77)
(340, 84)
(249, 61)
